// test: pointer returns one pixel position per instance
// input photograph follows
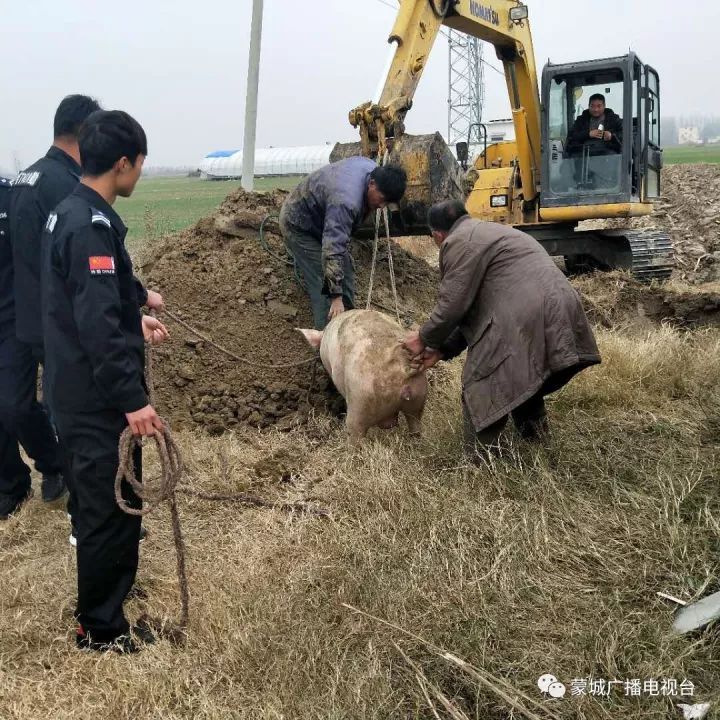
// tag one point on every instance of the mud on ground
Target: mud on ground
(689, 211)
(218, 278)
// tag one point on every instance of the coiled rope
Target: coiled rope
(165, 489)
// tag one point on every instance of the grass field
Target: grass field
(689, 154)
(161, 205)
(544, 559)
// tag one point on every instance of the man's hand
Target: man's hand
(607, 136)
(155, 301)
(430, 358)
(154, 331)
(144, 422)
(414, 344)
(336, 307)
(596, 134)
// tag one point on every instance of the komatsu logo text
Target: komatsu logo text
(484, 12)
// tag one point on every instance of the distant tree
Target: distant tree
(711, 129)
(669, 132)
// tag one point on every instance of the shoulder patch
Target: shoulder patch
(51, 222)
(28, 179)
(102, 264)
(99, 218)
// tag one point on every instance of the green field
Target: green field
(692, 154)
(161, 205)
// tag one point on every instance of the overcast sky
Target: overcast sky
(180, 66)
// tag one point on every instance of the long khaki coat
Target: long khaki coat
(504, 299)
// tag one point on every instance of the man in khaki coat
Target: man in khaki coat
(503, 299)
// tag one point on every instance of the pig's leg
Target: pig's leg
(413, 402)
(355, 425)
(414, 419)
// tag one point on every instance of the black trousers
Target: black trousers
(530, 417)
(23, 419)
(107, 538)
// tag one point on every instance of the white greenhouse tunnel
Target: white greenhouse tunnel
(268, 161)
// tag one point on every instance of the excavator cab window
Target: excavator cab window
(582, 162)
(586, 134)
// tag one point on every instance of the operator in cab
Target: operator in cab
(598, 128)
(320, 216)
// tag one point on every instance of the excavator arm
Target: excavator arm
(502, 23)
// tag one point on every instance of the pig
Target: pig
(362, 352)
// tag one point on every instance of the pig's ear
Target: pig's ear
(314, 337)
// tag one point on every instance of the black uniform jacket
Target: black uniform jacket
(7, 312)
(37, 192)
(92, 329)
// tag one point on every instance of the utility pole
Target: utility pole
(251, 99)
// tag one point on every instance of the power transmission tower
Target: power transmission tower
(466, 91)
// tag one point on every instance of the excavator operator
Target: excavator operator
(594, 142)
(586, 130)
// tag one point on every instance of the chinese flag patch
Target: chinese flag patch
(102, 265)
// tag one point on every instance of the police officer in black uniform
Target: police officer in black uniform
(14, 473)
(94, 336)
(36, 191)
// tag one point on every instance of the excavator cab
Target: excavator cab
(578, 171)
(557, 172)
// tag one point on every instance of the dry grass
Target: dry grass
(545, 560)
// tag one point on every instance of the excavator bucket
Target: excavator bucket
(433, 175)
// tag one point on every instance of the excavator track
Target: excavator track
(653, 257)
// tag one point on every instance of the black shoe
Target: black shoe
(143, 632)
(137, 593)
(10, 504)
(53, 488)
(127, 644)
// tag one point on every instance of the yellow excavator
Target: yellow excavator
(539, 183)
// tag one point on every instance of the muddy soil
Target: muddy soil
(218, 278)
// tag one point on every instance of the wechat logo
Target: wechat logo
(550, 686)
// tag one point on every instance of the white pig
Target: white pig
(362, 352)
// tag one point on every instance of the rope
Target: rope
(166, 488)
(263, 242)
(391, 267)
(373, 263)
(229, 353)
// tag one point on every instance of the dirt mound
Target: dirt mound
(218, 277)
(689, 211)
(617, 299)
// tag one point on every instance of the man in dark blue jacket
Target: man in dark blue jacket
(94, 336)
(319, 218)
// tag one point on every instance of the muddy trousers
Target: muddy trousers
(107, 538)
(530, 420)
(23, 420)
(306, 250)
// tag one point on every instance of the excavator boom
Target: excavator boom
(504, 24)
